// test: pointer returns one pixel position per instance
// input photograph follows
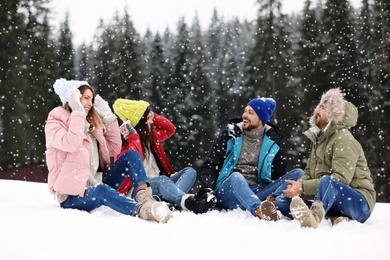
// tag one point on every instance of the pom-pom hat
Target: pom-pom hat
(131, 110)
(62, 88)
(264, 107)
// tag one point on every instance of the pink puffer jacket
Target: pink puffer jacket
(68, 150)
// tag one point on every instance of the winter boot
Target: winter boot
(144, 195)
(188, 202)
(267, 211)
(205, 200)
(198, 204)
(155, 211)
(338, 220)
(307, 217)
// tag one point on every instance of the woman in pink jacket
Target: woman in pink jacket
(144, 132)
(81, 137)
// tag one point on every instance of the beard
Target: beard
(321, 123)
(251, 126)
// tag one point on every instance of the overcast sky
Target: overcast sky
(84, 15)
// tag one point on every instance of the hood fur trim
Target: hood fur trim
(336, 106)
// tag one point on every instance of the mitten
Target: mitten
(126, 129)
(103, 109)
(74, 100)
(205, 200)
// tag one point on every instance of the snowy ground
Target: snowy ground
(33, 226)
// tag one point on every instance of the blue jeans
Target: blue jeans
(173, 188)
(129, 164)
(236, 192)
(340, 199)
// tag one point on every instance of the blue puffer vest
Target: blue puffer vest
(268, 151)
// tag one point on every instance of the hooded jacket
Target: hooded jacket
(223, 156)
(337, 152)
(68, 150)
(162, 129)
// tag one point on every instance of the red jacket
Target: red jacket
(162, 129)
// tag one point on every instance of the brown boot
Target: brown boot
(267, 211)
(270, 199)
(307, 217)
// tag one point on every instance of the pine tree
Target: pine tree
(157, 71)
(102, 60)
(201, 127)
(274, 73)
(381, 108)
(27, 62)
(340, 57)
(215, 56)
(228, 67)
(84, 62)
(239, 43)
(40, 65)
(65, 52)
(366, 57)
(309, 55)
(13, 85)
(128, 61)
(247, 74)
(272, 52)
(178, 88)
(118, 60)
(311, 79)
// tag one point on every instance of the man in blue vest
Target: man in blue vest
(246, 166)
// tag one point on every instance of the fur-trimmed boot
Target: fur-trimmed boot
(155, 211)
(144, 195)
(307, 217)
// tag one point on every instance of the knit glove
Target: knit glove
(103, 109)
(126, 129)
(74, 100)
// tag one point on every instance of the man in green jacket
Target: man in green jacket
(336, 177)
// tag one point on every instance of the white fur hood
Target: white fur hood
(340, 111)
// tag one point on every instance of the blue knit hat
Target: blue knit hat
(264, 107)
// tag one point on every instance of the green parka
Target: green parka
(340, 155)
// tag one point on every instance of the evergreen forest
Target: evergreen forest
(199, 78)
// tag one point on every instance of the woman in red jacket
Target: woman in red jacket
(144, 132)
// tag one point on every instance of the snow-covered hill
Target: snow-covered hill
(33, 226)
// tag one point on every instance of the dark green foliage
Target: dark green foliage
(27, 68)
(200, 79)
(65, 53)
(274, 72)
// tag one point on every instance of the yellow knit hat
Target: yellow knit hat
(131, 110)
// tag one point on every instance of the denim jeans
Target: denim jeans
(236, 192)
(129, 164)
(340, 199)
(173, 188)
